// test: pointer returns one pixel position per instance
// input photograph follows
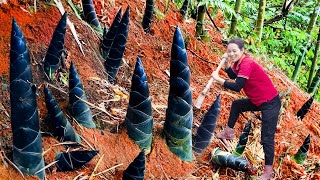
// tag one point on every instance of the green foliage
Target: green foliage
(282, 41)
(225, 6)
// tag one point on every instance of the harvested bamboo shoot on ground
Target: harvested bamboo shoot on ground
(222, 158)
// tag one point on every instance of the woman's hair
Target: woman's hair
(237, 41)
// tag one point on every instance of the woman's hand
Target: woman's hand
(215, 76)
(227, 62)
(225, 55)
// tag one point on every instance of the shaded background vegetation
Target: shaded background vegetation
(287, 33)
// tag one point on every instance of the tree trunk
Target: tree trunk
(311, 24)
(259, 26)
(200, 20)
(234, 18)
(314, 61)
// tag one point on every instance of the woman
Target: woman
(261, 93)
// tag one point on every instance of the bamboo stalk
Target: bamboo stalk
(311, 25)
(200, 20)
(259, 25)
(234, 18)
(314, 61)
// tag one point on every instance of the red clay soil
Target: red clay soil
(114, 145)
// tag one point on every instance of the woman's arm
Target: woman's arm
(231, 73)
(235, 86)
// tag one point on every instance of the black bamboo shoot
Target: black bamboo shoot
(139, 120)
(62, 127)
(305, 108)
(27, 142)
(79, 110)
(207, 126)
(116, 51)
(147, 17)
(136, 169)
(179, 114)
(52, 61)
(108, 37)
(301, 155)
(73, 160)
(226, 159)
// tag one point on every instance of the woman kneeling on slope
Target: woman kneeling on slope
(261, 93)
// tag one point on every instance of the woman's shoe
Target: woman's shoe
(227, 133)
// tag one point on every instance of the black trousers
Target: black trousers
(270, 112)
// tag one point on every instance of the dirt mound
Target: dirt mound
(110, 101)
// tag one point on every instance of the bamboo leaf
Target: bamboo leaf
(139, 120)
(108, 37)
(73, 160)
(53, 57)
(78, 108)
(179, 114)
(301, 155)
(115, 54)
(243, 140)
(136, 168)
(147, 17)
(27, 143)
(207, 126)
(90, 15)
(62, 127)
(305, 108)
(222, 158)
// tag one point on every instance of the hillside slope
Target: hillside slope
(110, 101)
